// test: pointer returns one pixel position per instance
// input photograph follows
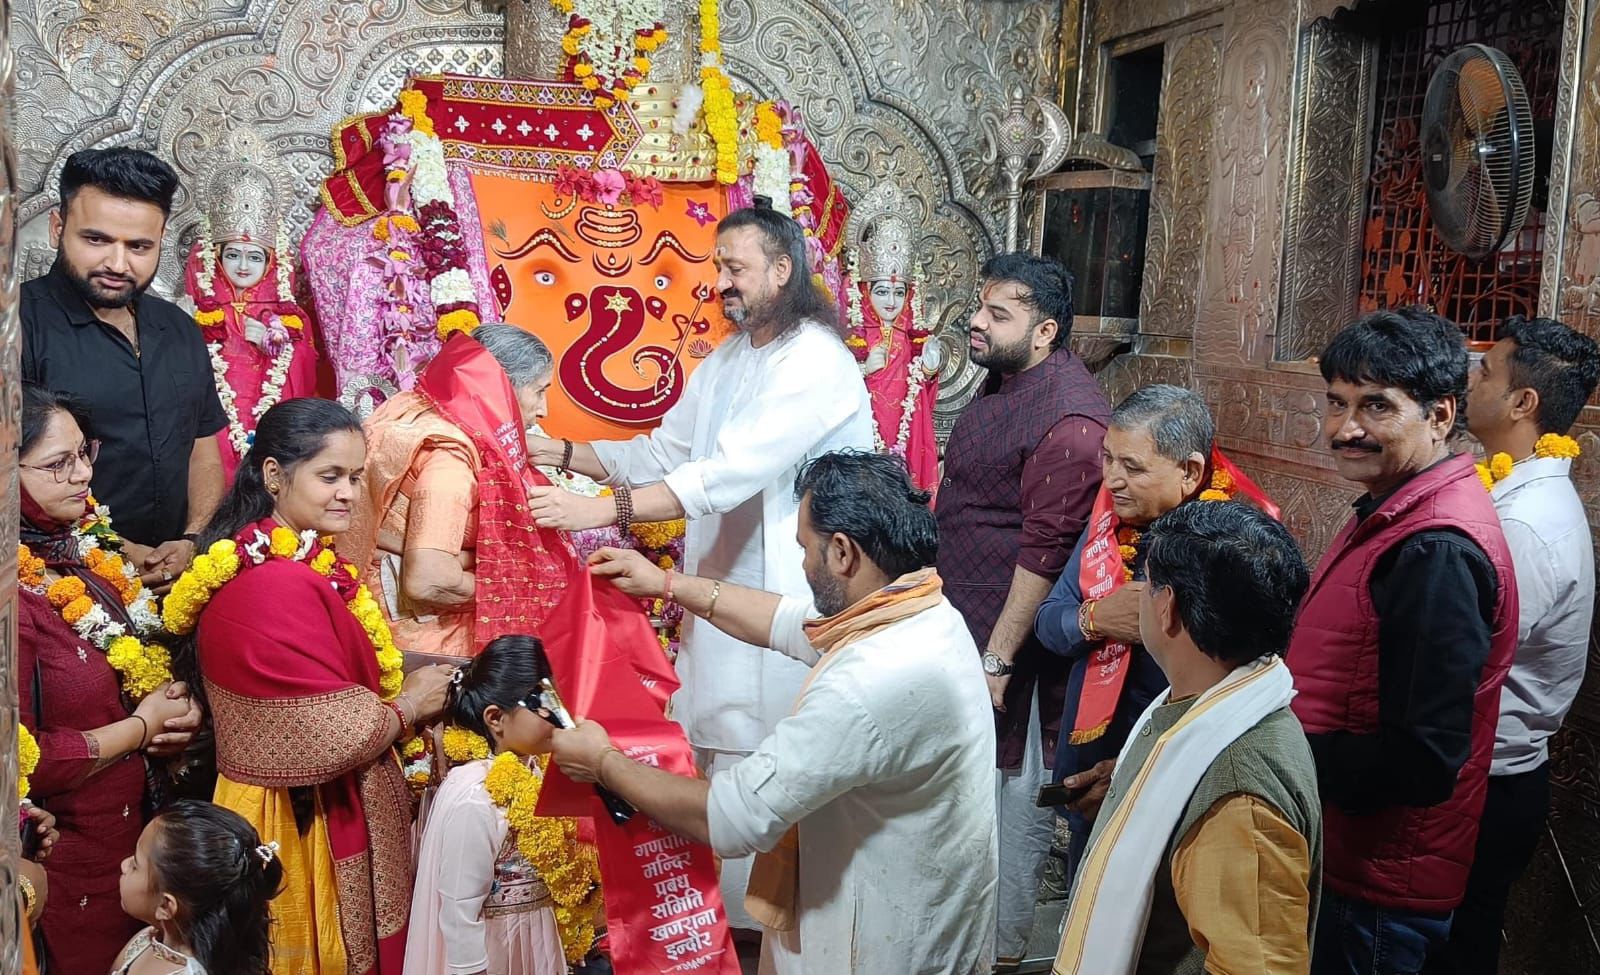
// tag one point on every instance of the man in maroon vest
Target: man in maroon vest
(1401, 648)
(1021, 472)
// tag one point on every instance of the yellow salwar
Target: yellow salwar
(306, 938)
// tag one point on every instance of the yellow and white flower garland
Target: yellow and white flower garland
(608, 42)
(569, 868)
(225, 559)
(142, 666)
(1550, 445)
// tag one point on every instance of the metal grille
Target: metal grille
(1403, 261)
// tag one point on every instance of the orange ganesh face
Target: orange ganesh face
(622, 294)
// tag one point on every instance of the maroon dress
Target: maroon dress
(67, 688)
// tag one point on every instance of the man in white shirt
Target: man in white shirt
(1523, 398)
(781, 392)
(873, 803)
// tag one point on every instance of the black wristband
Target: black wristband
(566, 456)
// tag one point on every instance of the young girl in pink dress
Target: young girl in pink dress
(478, 906)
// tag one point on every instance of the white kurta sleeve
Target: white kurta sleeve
(468, 846)
(795, 408)
(827, 747)
(788, 635)
(647, 458)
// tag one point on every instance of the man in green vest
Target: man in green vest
(1206, 855)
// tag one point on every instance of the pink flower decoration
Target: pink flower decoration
(568, 180)
(700, 213)
(609, 184)
(646, 191)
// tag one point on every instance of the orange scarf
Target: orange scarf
(774, 886)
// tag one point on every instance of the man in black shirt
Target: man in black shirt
(137, 363)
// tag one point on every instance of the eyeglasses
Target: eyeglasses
(63, 468)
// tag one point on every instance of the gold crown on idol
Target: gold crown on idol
(880, 233)
(242, 196)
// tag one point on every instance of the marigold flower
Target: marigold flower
(1500, 466)
(1212, 494)
(464, 745)
(27, 759)
(64, 591)
(284, 543)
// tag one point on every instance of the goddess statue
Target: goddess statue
(239, 280)
(889, 334)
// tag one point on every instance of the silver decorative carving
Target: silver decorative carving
(10, 425)
(1013, 140)
(1175, 245)
(879, 231)
(889, 92)
(1239, 284)
(1327, 188)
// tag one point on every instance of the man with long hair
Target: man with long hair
(782, 391)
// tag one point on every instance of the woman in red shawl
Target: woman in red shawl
(306, 692)
(80, 609)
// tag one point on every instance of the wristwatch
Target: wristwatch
(995, 667)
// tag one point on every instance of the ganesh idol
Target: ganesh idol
(239, 279)
(893, 342)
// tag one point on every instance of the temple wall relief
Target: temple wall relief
(888, 91)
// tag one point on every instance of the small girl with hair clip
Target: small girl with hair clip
(478, 906)
(201, 878)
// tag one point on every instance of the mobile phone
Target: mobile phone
(1057, 794)
(30, 836)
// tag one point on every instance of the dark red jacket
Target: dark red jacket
(1407, 858)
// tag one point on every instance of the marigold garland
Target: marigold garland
(464, 745)
(722, 116)
(143, 667)
(223, 561)
(27, 759)
(570, 869)
(602, 60)
(1551, 445)
(658, 534)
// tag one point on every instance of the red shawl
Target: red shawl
(292, 680)
(1100, 574)
(522, 569)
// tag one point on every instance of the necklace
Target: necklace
(1550, 445)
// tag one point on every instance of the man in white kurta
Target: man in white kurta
(780, 392)
(885, 766)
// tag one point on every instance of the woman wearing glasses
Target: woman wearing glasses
(97, 696)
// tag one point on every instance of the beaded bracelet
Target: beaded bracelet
(405, 722)
(566, 455)
(624, 496)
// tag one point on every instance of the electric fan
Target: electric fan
(1477, 150)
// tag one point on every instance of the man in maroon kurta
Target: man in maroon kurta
(1021, 471)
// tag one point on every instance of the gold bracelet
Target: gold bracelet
(711, 610)
(30, 897)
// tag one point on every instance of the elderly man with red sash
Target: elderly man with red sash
(1401, 648)
(1158, 454)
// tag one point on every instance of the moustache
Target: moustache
(1367, 445)
(731, 293)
